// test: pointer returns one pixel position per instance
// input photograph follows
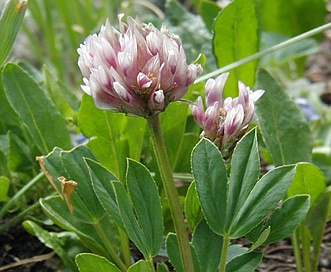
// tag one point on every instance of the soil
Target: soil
(22, 252)
(280, 256)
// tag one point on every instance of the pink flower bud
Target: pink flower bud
(214, 90)
(225, 122)
(137, 69)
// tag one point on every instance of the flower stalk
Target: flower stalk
(225, 250)
(171, 191)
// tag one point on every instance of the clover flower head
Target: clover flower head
(224, 122)
(137, 69)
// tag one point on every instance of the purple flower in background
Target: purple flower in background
(138, 70)
(225, 122)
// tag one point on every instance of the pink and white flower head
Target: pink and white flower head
(138, 70)
(225, 122)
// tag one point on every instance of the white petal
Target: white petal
(198, 111)
(159, 97)
(254, 96)
(233, 121)
(122, 92)
(86, 89)
(214, 89)
(143, 80)
(152, 41)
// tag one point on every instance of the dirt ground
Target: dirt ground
(22, 252)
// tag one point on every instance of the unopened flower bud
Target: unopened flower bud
(225, 122)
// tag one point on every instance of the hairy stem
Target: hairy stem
(171, 191)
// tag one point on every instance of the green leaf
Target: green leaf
(322, 159)
(209, 11)
(264, 197)
(9, 119)
(299, 49)
(89, 220)
(245, 263)
(10, 23)
(173, 123)
(56, 209)
(142, 266)
(284, 130)
(32, 105)
(286, 219)
(31, 71)
(255, 233)
(52, 167)
(235, 251)
(245, 171)
(88, 262)
(192, 206)
(87, 201)
(261, 239)
(316, 222)
(62, 97)
(130, 221)
(4, 187)
(75, 169)
(236, 36)
(211, 181)
(207, 246)
(20, 158)
(115, 136)
(146, 203)
(101, 181)
(286, 17)
(4, 144)
(183, 158)
(308, 179)
(51, 240)
(162, 267)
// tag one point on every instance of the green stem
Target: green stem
(306, 248)
(225, 249)
(297, 253)
(151, 264)
(265, 52)
(125, 247)
(171, 191)
(27, 187)
(109, 247)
